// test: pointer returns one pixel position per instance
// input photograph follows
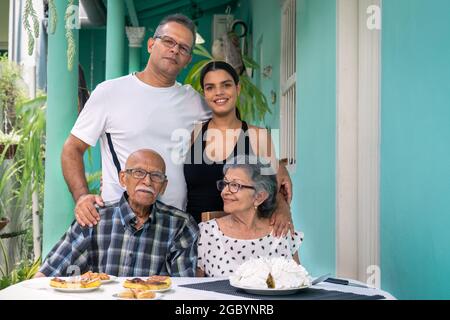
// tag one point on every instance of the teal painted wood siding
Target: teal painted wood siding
(315, 178)
(415, 149)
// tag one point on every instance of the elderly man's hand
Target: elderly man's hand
(281, 218)
(85, 211)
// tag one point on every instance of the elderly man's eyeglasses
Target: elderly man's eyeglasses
(232, 186)
(155, 176)
(169, 42)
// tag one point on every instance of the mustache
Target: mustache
(145, 189)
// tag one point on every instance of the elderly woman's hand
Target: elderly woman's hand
(281, 219)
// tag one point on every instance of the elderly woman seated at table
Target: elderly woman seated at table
(248, 190)
(137, 236)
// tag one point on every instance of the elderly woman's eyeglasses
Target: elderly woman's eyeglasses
(155, 176)
(169, 42)
(232, 186)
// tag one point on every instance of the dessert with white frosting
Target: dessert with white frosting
(275, 273)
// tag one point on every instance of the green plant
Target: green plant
(12, 91)
(31, 149)
(22, 175)
(29, 135)
(93, 181)
(252, 103)
(71, 46)
(9, 138)
(53, 16)
(8, 144)
(30, 13)
(24, 270)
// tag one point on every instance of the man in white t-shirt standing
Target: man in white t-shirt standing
(134, 112)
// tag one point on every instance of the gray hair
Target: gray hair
(180, 19)
(262, 178)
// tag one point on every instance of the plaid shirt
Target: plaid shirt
(165, 245)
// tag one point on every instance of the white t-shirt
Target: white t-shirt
(220, 255)
(136, 115)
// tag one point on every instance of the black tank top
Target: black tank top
(201, 173)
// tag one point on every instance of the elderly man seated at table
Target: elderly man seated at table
(249, 191)
(136, 236)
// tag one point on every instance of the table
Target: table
(39, 289)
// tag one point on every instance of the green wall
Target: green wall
(92, 60)
(93, 55)
(415, 149)
(313, 205)
(266, 29)
(314, 179)
(62, 86)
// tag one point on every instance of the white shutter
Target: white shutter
(288, 84)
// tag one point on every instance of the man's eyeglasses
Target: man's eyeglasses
(155, 176)
(169, 42)
(232, 186)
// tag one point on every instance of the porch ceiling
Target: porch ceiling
(147, 9)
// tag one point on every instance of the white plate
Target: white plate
(268, 291)
(111, 279)
(161, 290)
(76, 289)
(157, 297)
(157, 290)
(154, 290)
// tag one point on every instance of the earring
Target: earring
(256, 208)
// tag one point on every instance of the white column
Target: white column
(358, 138)
(135, 36)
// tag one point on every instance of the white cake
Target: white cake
(277, 273)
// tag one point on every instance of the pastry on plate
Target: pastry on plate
(74, 284)
(136, 294)
(163, 282)
(95, 275)
(152, 283)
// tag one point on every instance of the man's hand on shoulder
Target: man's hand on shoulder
(285, 183)
(85, 211)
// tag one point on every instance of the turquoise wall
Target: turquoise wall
(62, 88)
(266, 30)
(313, 205)
(314, 180)
(93, 51)
(415, 149)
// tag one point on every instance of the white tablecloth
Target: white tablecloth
(39, 289)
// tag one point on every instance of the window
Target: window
(288, 84)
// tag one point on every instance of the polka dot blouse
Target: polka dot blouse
(220, 255)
